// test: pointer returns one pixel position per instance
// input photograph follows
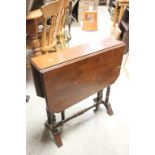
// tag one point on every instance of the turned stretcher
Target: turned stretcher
(66, 77)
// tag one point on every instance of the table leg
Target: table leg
(51, 121)
(55, 131)
(106, 102)
(98, 100)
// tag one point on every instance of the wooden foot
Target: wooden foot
(109, 109)
(55, 133)
(57, 138)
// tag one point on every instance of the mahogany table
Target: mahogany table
(66, 77)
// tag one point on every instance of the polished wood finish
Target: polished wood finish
(80, 71)
(69, 76)
(63, 56)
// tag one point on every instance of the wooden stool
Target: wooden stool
(89, 20)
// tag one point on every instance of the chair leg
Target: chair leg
(62, 41)
(121, 14)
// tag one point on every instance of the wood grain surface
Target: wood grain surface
(79, 72)
(51, 59)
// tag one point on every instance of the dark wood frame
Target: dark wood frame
(53, 125)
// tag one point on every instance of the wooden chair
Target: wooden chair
(122, 4)
(61, 36)
(52, 10)
(116, 32)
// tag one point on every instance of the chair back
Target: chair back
(52, 10)
(63, 14)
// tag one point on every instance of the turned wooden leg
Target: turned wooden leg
(106, 102)
(48, 123)
(63, 115)
(55, 131)
(98, 100)
(51, 121)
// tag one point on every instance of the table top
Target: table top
(52, 59)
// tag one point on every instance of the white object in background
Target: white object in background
(90, 8)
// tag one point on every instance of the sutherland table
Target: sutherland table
(66, 77)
